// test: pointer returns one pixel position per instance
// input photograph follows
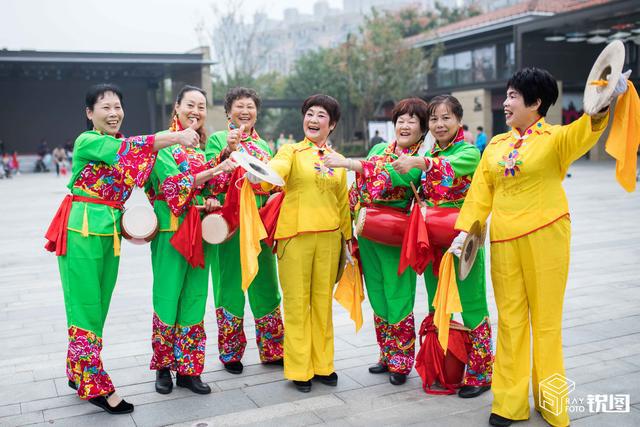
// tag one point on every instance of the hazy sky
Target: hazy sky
(119, 25)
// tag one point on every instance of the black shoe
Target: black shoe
(233, 367)
(193, 383)
(331, 379)
(397, 379)
(497, 420)
(303, 386)
(122, 408)
(279, 362)
(73, 385)
(164, 383)
(378, 368)
(469, 391)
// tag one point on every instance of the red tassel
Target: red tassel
(416, 249)
(231, 208)
(56, 234)
(269, 214)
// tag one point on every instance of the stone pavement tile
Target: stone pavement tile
(97, 419)
(152, 396)
(16, 378)
(62, 387)
(24, 419)
(7, 410)
(300, 412)
(192, 408)
(284, 391)
(602, 370)
(244, 380)
(82, 408)
(630, 419)
(54, 402)
(29, 391)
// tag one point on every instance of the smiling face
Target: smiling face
(244, 112)
(107, 114)
(192, 107)
(516, 113)
(443, 124)
(316, 124)
(408, 131)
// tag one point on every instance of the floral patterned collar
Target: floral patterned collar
(320, 148)
(409, 151)
(253, 136)
(539, 127)
(459, 137)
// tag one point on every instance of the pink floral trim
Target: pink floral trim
(401, 345)
(178, 191)
(270, 335)
(162, 339)
(382, 336)
(231, 338)
(84, 365)
(480, 363)
(131, 166)
(188, 349)
(440, 184)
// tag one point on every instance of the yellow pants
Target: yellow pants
(307, 266)
(529, 277)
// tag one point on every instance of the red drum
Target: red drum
(440, 225)
(382, 225)
(215, 229)
(139, 224)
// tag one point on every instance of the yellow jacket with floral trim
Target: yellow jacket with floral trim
(519, 179)
(316, 196)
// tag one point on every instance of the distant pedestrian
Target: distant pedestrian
(377, 139)
(468, 136)
(481, 139)
(60, 160)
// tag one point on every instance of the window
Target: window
(445, 73)
(462, 65)
(484, 64)
(508, 61)
(467, 67)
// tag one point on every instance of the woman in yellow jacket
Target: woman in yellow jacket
(519, 182)
(314, 220)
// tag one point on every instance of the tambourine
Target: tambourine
(603, 77)
(215, 229)
(139, 224)
(473, 242)
(257, 168)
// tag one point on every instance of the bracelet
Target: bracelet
(350, 166)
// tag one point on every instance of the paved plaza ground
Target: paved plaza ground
(601, 333)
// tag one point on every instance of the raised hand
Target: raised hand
(335, 160)
(189, 137)
(234, 137)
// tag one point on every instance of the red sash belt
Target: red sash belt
(56, 234)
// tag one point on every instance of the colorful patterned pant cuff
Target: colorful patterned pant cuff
(188, 349)
(84, 365)
(480, 364)
(382, 334)
(401, 345)
(231, 338)
(162, 339)
(270, 335)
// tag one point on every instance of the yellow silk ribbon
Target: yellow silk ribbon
(350, 292)
(447, 299)
(251, 232)
(624, 137)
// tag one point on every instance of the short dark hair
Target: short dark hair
(533, 84)
(414, 107)
(329, 103)
(480, 128)
(239, 93)
(451, 102)
(96, 92)
(465, 127)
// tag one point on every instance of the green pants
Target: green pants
(391, 296)
(179, 291)
(229, 299)
(88, 272)
(472, 290)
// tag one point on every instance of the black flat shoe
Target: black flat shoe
(193, 383)
(497, 420)
(279, 362)
(122, 408)
(73, 385)
(234, 367)
(378, 368)
(303, 386)
(397, 379)
(331, 379)
(469, 391)
(164, 383)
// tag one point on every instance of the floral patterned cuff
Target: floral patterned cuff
(136, 157)
(178, 191)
